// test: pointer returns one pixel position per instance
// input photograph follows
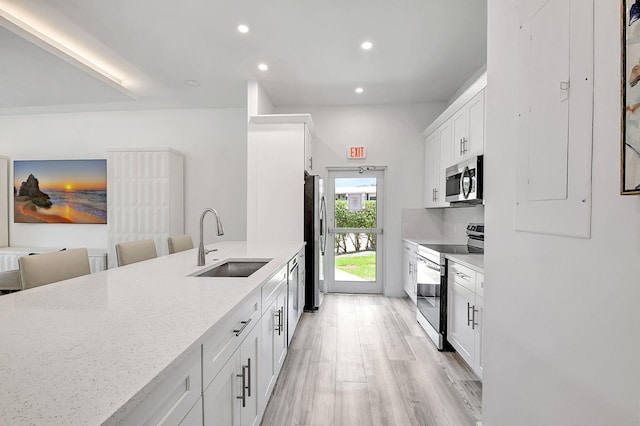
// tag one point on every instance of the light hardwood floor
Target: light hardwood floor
(364, 360)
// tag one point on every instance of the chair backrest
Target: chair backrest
(135, 251)
(179, 243)
(10, 280)
(48, 268)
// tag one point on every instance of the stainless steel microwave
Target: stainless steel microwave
(464, 181)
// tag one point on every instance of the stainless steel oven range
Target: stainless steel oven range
(432, 282)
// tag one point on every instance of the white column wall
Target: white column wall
(562, 324)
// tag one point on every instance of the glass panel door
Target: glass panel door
(354, 213)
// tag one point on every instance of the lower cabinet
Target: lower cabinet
(273, 348)
(409, 275)
(173, 400)
(194, 417)
(232, 397)
(464, 314)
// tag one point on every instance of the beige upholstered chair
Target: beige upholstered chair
(46, 268)
(10, 280)
(179, 243)
(135, 251)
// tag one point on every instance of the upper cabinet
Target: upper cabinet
(468, 129)
(308, 150)
(278, 153)
(458, 133)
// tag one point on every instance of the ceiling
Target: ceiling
(423, 51)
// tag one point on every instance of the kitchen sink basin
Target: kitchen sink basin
(234, 268)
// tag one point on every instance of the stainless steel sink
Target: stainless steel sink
(234, 268)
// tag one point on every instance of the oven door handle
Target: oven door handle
(429, 264)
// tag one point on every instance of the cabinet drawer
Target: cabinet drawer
(480, 284)
(225, 339)
(271, 288)
(171, 400)
(462, 275)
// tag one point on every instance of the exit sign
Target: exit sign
(356, 152)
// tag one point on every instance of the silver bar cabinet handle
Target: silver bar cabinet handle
(249, 376)
(473, 320)
(243, 397)
(469, 320)
(279, 323)
(244, 325)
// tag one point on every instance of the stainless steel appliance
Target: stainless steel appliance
(464, 181)
(315, 237)
(432, 282)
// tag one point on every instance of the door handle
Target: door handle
(469, 320)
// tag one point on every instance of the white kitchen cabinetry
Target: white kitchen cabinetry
(273, 348)
(145, 199)
(277, 155)
(172, 401)
(437, 159)
(410, 278)
(464, 314)
(469, 129)
(308, 150)
(457, 133)
(231, 367)
(431, 169)
(232, 397)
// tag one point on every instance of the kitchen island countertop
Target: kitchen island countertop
(89, 349)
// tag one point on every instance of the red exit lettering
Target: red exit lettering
(357, 152)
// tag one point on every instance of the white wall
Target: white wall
(561, 314)
(212, 140)
(392, 135)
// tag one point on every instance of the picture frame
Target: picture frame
(630, 98)
(60, 191)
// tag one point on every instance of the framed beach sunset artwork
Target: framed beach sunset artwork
(630, 93)
(60, 191)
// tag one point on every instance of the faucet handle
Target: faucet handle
(207, 251)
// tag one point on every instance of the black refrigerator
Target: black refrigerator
(315, 237)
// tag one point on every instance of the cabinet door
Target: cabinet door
(194, 417)
(459, 123)
(221, 404)
(475, 126)
(479, 308)
(268, 374)
(445, 140)
(407, 273)
(250, 362)
(273, 346)
(308, 150)
(431, 166)
(459, 332)
(280, 335)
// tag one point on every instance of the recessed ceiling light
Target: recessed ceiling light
(192, 83)
(366, 45)
(243, 28)
(359, 90)
(263, 67)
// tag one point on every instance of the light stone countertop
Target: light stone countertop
(473, 261)
(87, 350)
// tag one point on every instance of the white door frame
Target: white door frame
(371, 287)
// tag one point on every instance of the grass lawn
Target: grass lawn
(361, 265)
